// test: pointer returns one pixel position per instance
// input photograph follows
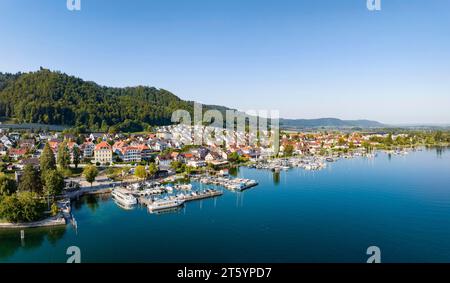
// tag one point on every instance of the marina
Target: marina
(279, 164)
(156, 196)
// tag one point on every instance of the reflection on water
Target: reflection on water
(276, 178)
(92, 202)
(233, 171)
(11, 241)
(440, 151)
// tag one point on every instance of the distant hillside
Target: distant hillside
(328, 123)
(7, 78)
(48, 97)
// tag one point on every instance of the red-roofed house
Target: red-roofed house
(103, 153)
(131, 154)
(146, 152)
(17, 153)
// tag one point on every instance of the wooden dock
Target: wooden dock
(186, 198)
(202, 196)
(248, 187)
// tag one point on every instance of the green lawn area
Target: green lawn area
(76, 171)
(72, 172)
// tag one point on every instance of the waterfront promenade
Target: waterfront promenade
(49, 222)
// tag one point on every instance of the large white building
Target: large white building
(103, 153)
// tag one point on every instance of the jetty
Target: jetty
(236, 184)
(198, 195)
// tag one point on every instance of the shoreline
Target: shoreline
(49, 222)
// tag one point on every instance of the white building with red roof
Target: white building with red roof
(103, 153)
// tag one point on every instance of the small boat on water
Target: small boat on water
(124, 206)
(164, 204)
(123, 197)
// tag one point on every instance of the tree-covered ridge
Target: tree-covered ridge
(5, 79)
(55, 98)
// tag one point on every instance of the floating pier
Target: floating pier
(237, 184)
(186, 197)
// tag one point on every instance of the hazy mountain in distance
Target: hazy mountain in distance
(328, 123)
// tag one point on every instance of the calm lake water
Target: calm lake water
(400, 204)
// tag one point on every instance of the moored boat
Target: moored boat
(163, 204)
(123, 197)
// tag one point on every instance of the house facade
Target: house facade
(103, 153)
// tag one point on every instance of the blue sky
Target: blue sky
(308, 59)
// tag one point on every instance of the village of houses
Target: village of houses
(174, 143)
(166, 145)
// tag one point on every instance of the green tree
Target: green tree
(367, 146)
(7, 186)
(30, 180)
(90, 172)
(175, 165)
(152, 169)
(54, 183)
(288, 150)
(140, 172)
(233, 157)
(389, 141)
(47, 159)
(22, 207)
(76, 156)
(63, 155)
(54, 209)
(438, 136)
(189, 170)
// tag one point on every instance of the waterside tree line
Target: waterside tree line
(28, 200)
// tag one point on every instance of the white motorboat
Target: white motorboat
(163, 204)
(123, 197)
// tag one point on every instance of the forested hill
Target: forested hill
(55, 98)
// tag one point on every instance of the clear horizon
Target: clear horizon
(308, 59)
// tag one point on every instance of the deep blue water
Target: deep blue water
(400, 204)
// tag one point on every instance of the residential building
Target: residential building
(87, 149)
(103, 153)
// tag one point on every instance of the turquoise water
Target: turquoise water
(400, 204)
